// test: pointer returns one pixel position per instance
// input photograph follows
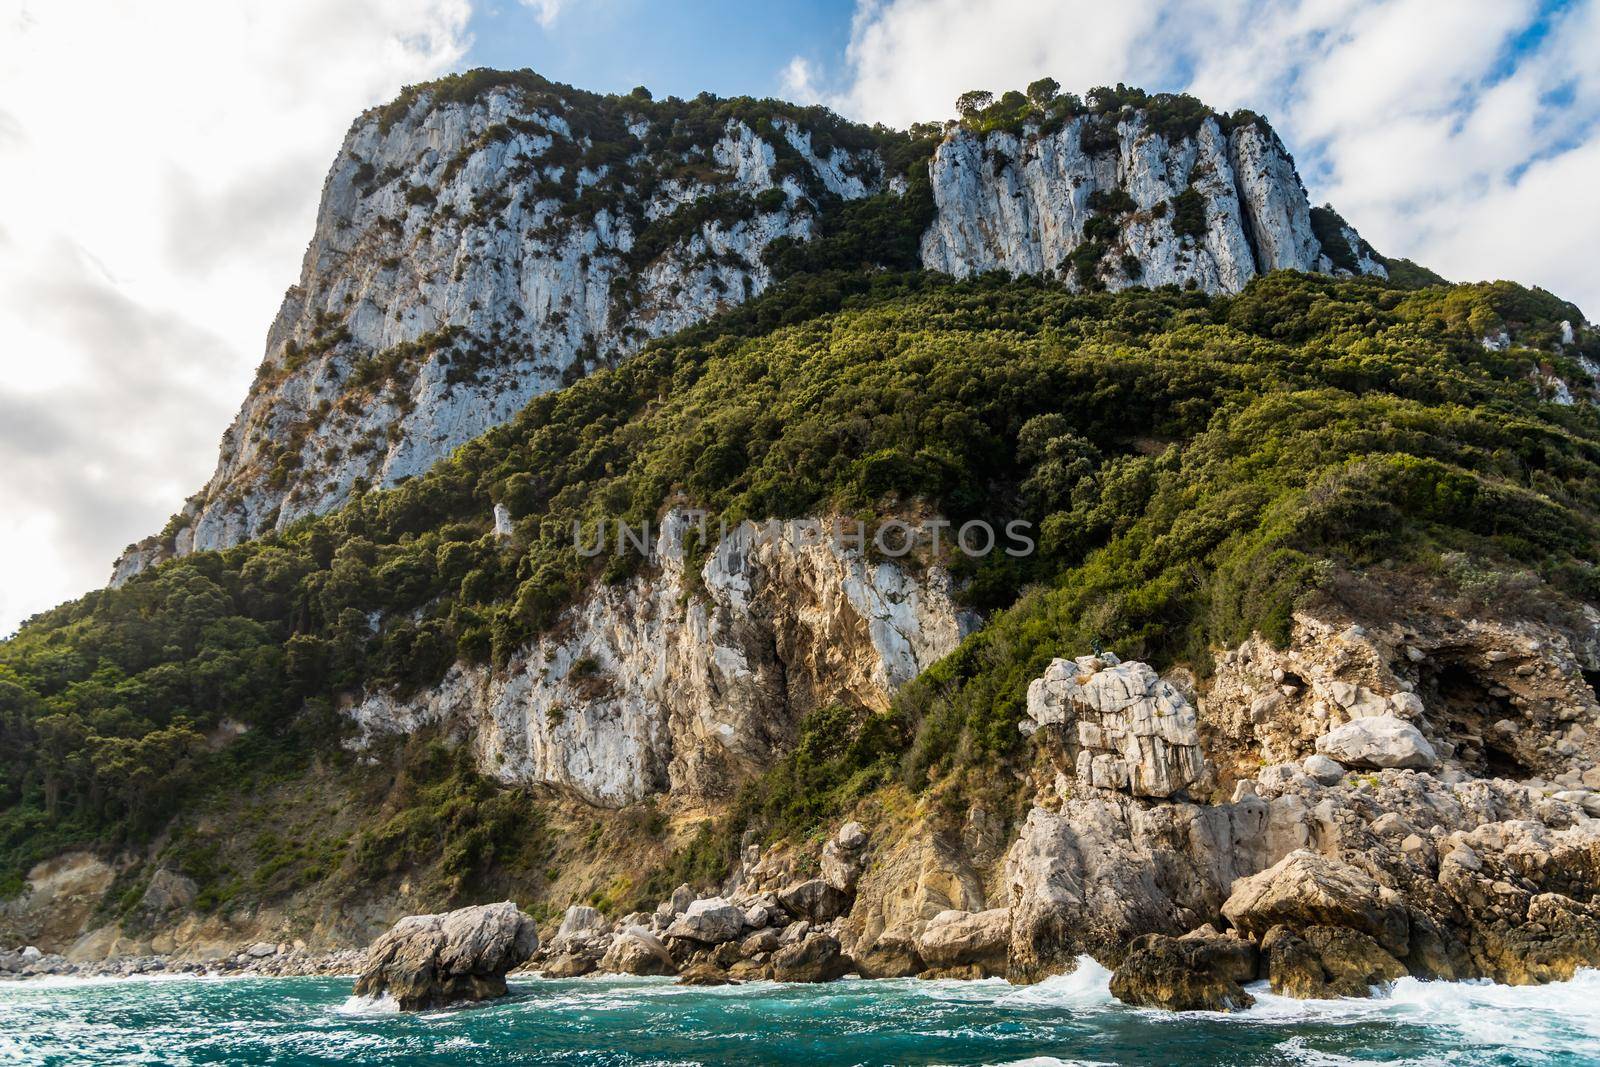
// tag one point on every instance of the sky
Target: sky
(160, 167)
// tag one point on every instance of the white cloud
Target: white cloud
(160, 166)
(1448, 133)
(545, 10)
(798, 82)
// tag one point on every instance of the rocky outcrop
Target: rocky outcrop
(955, 941)
(1126, 728)
(1024, 203)
(427, 961)
(1102, 869)
(1419, 839)
(636, 950)
(1327, 961)
(692, 682)
(843, 857)
(1304, 889)
(474, 250)
(814, 899)
(1490, 697)
(470, 255)
(816, 958)
(57, 902)
(1201, 971)
(710, 921)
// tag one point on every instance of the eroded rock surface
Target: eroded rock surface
(1197, 972)
(1021, 204)
(692, 682)
(427, 961)
(1127, 728)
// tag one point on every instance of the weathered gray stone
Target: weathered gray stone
(710, 921)
(967, 939)
(1128, 729)
(1304, 890)
(635, 950)
(428, 960)
(1378, 741)
(1323, 769)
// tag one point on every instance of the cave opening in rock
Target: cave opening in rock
(1465, 699)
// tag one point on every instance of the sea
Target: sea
(1071, 1019)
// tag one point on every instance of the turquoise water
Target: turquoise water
(650, 1021)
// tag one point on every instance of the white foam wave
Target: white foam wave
(81, 981)
(382, 1004)
(1087, 985)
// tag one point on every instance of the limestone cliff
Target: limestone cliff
(471, 254)
(1118, 206)
(694, 677)
(474, 250)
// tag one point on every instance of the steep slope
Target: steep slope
(420, 685)
(1119, 201)
(435, 669)
(489, 238)
(494, 236)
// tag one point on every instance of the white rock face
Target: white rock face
(1378, 741)
(1020, 204)
(1131, 730)
(712, 921)
(644, 687)
(466, 259)
(449, 281)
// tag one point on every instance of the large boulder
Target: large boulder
(816, 958)
(581, 923)
(1378, 741)
(1129, 729)
(635, 950)
(1196, 972)
(425, 961)
(892, 955)
(1304, 889)
(710, 921)
(954, 939)
(1327, 961)
(1104, 869)
(844, 856)
(569, 965)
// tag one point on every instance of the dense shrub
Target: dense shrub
(1192, 465)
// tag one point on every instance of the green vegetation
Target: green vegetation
(1046, 109)
(1193, 465)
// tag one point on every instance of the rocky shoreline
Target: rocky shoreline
(260, 960)
(1418, 800)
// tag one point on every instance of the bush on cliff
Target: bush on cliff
(1192, 465)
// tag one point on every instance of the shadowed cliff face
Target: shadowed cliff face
(476, 249)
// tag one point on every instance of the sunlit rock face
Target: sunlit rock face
(1024, 204)
(470, 256)
(667, 683)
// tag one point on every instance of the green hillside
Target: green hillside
(1193, 464)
